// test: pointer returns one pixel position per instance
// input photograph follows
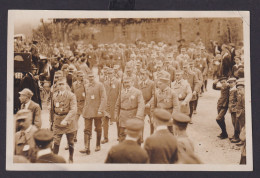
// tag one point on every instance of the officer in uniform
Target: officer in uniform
(79, 90)
(147, 87)
(94, 109)
(24, 142)
(161, 146)
(222, 105)
(112, 87)
(165, 97)
(232, 109)
(183, 91)
(43, 141)
(129, 151)
(129, 105)
(65, 110)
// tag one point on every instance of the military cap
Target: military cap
(232, 79)
(162, 115)
(23, 114)
(71, 69)
(90, 73)
(27, 92)
(179, 117)
(240, 82)
(164, 76)
(43, 135)
(134, 124)
(65, 66)
(127, 79)
(62, 80)
(110, 71)
(80, 73)
(222, 78)
(179, 72)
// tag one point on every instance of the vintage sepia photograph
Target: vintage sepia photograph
(125, 90)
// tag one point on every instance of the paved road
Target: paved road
(203, 132)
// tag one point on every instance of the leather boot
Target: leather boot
(71, 151)
(87, 143)
(98, 142)
(56, 149)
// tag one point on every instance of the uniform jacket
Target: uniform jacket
(185, 146)
(240, 108)
(199, 76)
(202, 66)
(65, 108)
(127, 151)
(129, 105)
(192, 79)
(232, 100)
(166, 99)
(79, 90)
(162, 147)
(147, 89)
(95, 100)
(22, 140)
(224, 95)
(36, 113)
(184, 93)
(112, 87)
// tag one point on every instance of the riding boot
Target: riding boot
(98, 141)
(71, 152)
(56, 149)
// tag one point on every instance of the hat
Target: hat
(240, 82)
(23, 114)
(179, 117)
(127, 79)
(62, 80)
(232, 79)
(43, 135)
(134, 124)
(165, 76)
(110, 71)
(90, 73)
(222, 78)
(179, 72)
(71, 69)
(162, 115)
(80, 73)
(27, 92)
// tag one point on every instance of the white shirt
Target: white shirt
(44, 152)
(131, 138)
(27, 105)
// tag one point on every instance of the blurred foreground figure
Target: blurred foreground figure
(129, 151)
(43, 141)
(161, 146)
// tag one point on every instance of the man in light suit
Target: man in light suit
(26, 103)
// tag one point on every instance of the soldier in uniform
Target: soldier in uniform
(79, 90)
(168, 68)
(202, 66)
(192, 79)
(147, 87)
(222, 105)
(195, 99)
(43, 141)
(118, 73)
(24, 142)
(240, 108)
(94, 109)
(161, 146)
(129, 151)
(65, 110)
(183, 91)
(165, 97)
(112, 87)
(232, 109)
(129, 105)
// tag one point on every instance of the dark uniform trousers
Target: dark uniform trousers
(98, 128)
(221, 118)
(235, 124)
(105, 125)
